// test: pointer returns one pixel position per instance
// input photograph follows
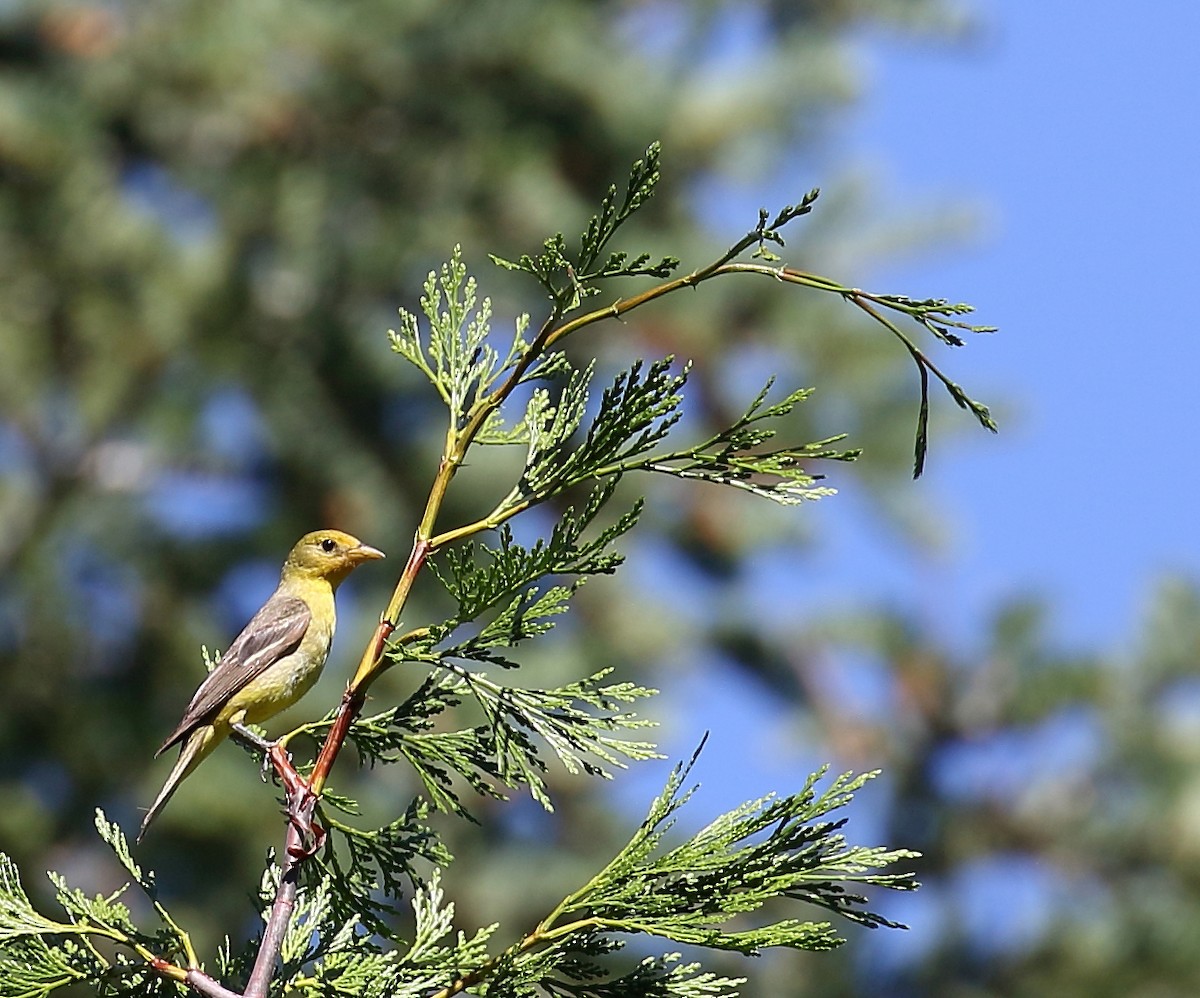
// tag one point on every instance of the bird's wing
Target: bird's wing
(275, 631)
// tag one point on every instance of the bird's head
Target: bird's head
(329, 555)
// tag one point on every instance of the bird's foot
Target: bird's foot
(250, 736)
(299, 800)
(268, 749)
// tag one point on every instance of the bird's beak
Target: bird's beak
(364, 552)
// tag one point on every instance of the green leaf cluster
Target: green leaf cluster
(761, 851)
(568, 280)
(457, 357)
(96, 943)
(582, 723)
(507, 583)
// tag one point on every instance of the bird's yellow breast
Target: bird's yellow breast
(284, 682)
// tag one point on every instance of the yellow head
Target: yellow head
(327, 554)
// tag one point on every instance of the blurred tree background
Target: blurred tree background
(209, 212)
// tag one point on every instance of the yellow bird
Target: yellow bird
(274, 661)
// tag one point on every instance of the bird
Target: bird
(274, 661)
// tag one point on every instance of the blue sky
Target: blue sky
(1072, 134)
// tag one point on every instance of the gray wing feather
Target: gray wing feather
(275, 631)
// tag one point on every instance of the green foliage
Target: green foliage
(938, 316)
(363, 871)
(339, 943)
(760, 851)
(31, 968)
(736, 457)
(39, 955)
(578, 722)
(683, 894)
(569, 280)
(509, 579)
(768, 232)
(17, 916)
(344, 933)
(635, 413)
(458, 359)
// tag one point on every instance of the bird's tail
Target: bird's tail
(201, 741)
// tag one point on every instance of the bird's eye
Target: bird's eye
(328, 544)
